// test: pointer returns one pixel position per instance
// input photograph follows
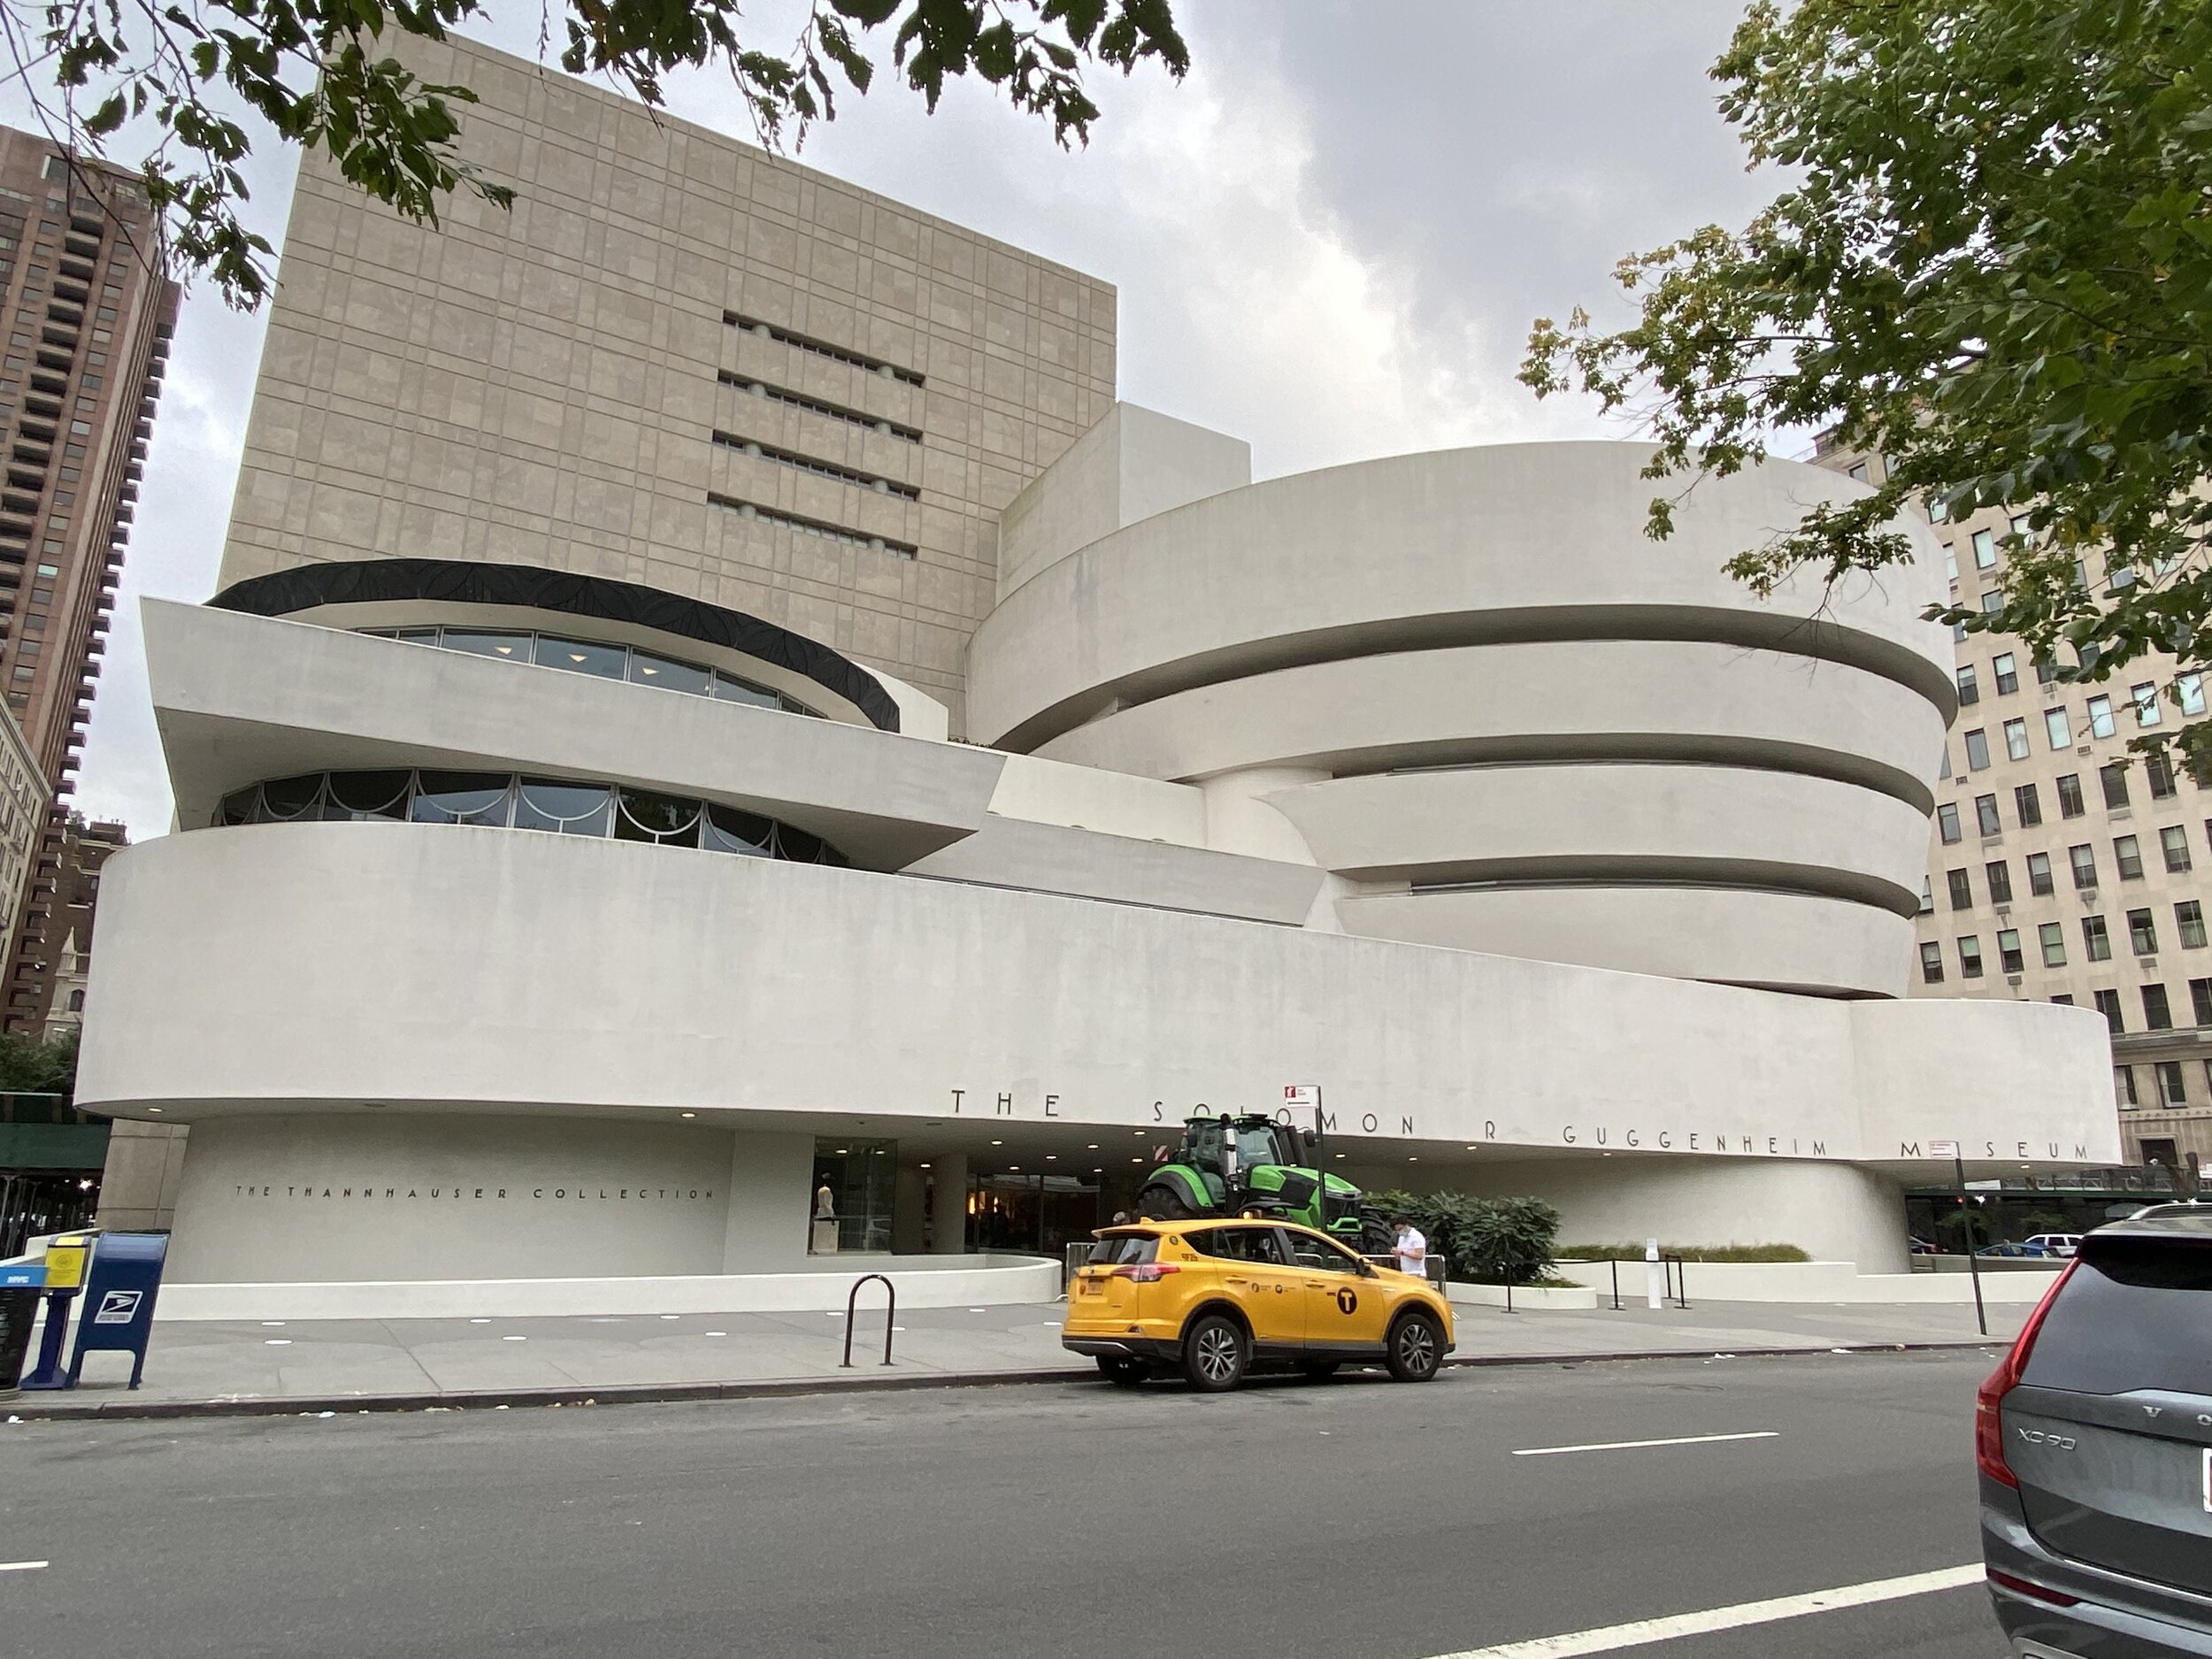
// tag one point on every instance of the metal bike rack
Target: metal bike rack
(890, 1313)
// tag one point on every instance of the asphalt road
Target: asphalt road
(1357, 1518)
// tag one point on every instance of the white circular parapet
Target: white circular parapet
(1519, 725)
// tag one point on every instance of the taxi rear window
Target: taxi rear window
(1128, 1249)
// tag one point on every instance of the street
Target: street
(1357, 1519)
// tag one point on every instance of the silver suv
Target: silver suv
(2094, 1441)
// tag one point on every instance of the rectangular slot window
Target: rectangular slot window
(2017, 739)
(2040, 874)
(2124, 1084)
(1999, 874)
(2007, 674)
(2028, 805)
(2200, 1001)
(2142, 933)
(2052, 938)
(1948, 822)
(2009, 956)
(2158, 772)
(1986, 814)
(2109, 1005)
(2113, 780)
(1962, 890)
(2173, 842)
(821, 348)
(2189, 689)
(2157, 1015)
(2189, 918)
(1971, 957)
(2101, 723)
(2096, 939)
(2145, 697)
(1978, 749)
(1970, 691)
(1932, 962)
(2057, 729)
(1984, 552)
(2069, 800)
(2085, 862)
(2170, 1089)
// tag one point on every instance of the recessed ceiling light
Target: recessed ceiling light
(1474, 1148)
(691, 1114)
(1413, 1159)
(1092, 1147)
(924, 1166)
(998, 1143)
(1053, 1158)
(1013, 1169)
(153, 1109)
(1132, 1160)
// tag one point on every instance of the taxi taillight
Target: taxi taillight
(1147, 1272)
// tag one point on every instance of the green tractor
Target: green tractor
(1253, 1164)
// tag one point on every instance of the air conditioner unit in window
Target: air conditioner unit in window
(2012, 979)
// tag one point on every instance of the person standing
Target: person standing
(1410, 1249)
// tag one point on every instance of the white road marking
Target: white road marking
(1630, 1446)
(1613, 1638)
(20, 1566)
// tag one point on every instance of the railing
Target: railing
(1674, 1280)
(890, 1313)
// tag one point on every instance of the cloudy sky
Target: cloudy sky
(1329, 239)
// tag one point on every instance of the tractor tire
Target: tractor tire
(1375, 1236)
(1124, 1373)
(1414, 1348)
(1163, 1203)
(1216, 1353)
(1318, 1370)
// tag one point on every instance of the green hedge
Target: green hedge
(1686, 1252)
(1488, 1240)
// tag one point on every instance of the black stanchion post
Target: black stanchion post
(1966, 1226)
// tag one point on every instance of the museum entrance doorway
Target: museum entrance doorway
(1031, 1213)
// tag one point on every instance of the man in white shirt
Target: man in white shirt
(1410, 1249)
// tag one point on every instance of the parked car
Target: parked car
(2094, 1444)
(1214, 1298)
(2058, 1244)
(1920, 1247)
(2013, 1250)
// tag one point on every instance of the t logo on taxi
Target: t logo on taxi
(1346, 1299)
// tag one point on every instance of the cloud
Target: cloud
(1329, 239)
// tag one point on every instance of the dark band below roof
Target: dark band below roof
(526, 586)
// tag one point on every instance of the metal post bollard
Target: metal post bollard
(890, 1313)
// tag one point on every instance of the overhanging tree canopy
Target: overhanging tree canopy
(1995, 269)
(319, 73)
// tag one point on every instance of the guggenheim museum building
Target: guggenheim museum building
(711, 699)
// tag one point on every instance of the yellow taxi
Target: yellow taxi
(1214, 1298)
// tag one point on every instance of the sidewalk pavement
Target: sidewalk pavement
(211, 1368)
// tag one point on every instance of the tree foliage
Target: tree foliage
(34, 1065)
(1994, 268)
(320, 74)
(1486, 1241)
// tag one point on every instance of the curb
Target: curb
(29, 1410)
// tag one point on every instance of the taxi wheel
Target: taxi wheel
(1416, 1348)
(1215, 1353)
(1124, 1373)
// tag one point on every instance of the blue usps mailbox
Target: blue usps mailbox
(118, 1298)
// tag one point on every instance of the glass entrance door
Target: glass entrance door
(852, 1180)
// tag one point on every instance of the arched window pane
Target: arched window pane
(798, 845)
(649, 670)
(730, 689)
(656, 818)
(368, 794)
(460, 797)
(292, 797)
(514, 648)
(581, 656)
(731, 831)
(563, 808)
(240, 806)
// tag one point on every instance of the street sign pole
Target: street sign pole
(1966, 1220)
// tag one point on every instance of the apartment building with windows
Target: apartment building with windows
(2063, 866)
(90, 311)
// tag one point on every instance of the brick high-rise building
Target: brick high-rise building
(90, 312)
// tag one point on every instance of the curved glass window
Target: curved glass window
(563, 808)
(476, 642)
(292, 797)
(649, 670)
(459, 797)
(656, 817)
(581, 656)
(556, 806)
(728, 830)
(357, 795)
(608, 662)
